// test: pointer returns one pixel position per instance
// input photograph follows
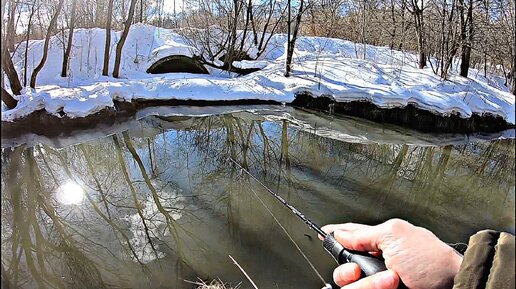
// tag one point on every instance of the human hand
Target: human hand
(411, 253)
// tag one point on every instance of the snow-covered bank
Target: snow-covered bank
(322, 67)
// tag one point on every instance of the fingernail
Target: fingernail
(384, 279)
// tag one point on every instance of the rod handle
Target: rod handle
(368, 263)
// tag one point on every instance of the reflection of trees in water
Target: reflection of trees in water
(47, 240)
(126, 175)
(38, 238)
(424, 178)
(170, 221)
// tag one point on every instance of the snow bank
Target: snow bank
(322, 66)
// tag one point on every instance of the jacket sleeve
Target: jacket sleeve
(488, 262)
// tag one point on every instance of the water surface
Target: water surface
(159, 202)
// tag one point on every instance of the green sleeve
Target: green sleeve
(488, 262)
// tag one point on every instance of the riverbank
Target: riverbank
(323, 67)
(60, 132)
(40, 123)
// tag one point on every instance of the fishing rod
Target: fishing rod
(368, 263)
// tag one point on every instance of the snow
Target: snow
(322, 67)
(246, 64)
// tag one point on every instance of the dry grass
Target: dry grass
(214, 284)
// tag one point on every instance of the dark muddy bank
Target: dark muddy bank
(409, 116)
(42, 123)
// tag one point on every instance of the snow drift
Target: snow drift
(322, 67)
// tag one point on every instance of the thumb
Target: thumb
(382, 280)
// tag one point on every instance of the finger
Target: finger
(366, 239)
(346, 273)
(375, 253)
(383, 280)
(343, 227)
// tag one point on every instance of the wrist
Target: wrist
(455, 262)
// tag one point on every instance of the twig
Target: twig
(194, 282)
(241, 269)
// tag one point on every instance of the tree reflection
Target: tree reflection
(162, 205)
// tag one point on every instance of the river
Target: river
(159, 203)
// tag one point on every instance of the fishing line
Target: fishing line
(369, 264)
(279, 224)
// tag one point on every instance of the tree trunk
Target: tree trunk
(466, 38)
(66, 56)
(362, 30)
(51, 26)
(449, 42)
(419, 24)
(264, 30)
(8, 99)
(10, 26)
(141, 10)
(3, 2)
(10, 71)
(263, 43)
(253, 26)
(247, 19)
(403, 25)
(514, 54)
(292, 40)
(420, 38)
(26, 57)
(120, 45)
(107, 47)
(443, 47)
(289, 58)
(394, 25)
(228, 59)
(6, 61)
(514, 51)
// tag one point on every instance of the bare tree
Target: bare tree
(120, 45)
(141, 11)
(291, 40)
(513, 89)
(417, 8)
(13, 5)
(449, 44)
(466, 35)
(25, 55)
(269, 12)
(66, 56)
(231, 51)
(107, 46)
(8, 99)
(7, 63)
(51, 27)
(248, 17)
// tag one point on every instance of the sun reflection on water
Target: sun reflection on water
(70, 193)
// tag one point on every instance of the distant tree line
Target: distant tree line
(445, 34)
(476, 33)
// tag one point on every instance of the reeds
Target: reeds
(214, 284)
